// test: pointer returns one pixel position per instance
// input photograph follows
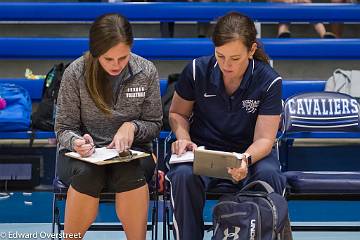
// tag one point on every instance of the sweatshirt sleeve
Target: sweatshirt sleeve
(150, 122)
(67, 121)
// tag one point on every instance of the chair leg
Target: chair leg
(154, 222)
(152, 225)
(58, 223)
(56, 217)
(156, 217)
(164, 213)
(166, 193)
(165, 223)
(168, 221)
(156, 193)
(154, 234)
(54, 207)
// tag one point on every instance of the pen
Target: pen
(91, 144)
(86, 140)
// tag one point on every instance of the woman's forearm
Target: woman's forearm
(180, 126)
(260, 149)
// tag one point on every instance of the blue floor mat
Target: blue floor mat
(36, 207)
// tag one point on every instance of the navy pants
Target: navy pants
(188, 193)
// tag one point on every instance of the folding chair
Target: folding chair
(60, 191)
(320, 115)
(212, 194)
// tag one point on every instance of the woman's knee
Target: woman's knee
(182, 174)
(275, 178)
(268, 170)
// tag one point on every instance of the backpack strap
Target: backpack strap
(253, 185)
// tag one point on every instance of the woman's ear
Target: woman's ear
(252, 50)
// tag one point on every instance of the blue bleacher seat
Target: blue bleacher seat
(193, 11)
(324, 183)
(168, 48)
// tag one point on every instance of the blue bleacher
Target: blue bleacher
(157, 11)
(176, 48)
(179, 48)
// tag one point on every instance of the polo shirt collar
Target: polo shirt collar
(248, 75)
(216, 77)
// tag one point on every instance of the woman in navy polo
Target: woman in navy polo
(230, 101)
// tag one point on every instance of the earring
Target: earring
(251, 57)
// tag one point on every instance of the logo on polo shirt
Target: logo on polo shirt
(250, 105)
(135, 92)
(209, 95)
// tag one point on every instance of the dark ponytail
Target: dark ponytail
(260, 54)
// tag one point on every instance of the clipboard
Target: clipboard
(215, 163)
(103, 156)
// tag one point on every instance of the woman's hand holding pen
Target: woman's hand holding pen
(84, 146)
(124, 137)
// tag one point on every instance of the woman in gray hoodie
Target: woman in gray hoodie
(108, 97)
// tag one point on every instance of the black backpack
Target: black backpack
(44, 117)
(254, 213)
(167, 98)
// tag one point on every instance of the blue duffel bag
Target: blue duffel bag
(16, 108)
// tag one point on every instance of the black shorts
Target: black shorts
(92, 179)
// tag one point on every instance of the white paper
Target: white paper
(186, 157)
(134, 152)
(99, 155)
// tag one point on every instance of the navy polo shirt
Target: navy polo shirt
(223, 122)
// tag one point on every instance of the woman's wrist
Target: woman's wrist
(183, 135)
(129, 126)
(247, 158)
(133, 126)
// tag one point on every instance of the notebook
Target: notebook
(104, 155)
(186, 157)
(215, 163)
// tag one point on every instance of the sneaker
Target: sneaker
(329, 35)
(285, 34)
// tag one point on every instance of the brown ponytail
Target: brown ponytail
(260, 54)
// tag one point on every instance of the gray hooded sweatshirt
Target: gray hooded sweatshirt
(137, 99)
